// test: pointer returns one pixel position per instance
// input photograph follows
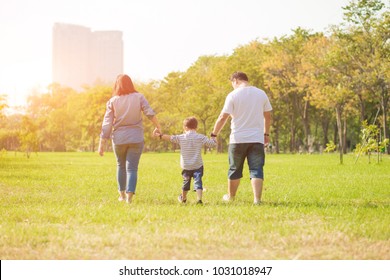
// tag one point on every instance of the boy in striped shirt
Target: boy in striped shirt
(191, 162)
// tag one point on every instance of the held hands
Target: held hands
(156, 132)
(214, 136)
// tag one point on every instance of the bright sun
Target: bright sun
(19, 79)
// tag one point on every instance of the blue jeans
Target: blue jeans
(127, 157)
(197, 174)
(253, 152)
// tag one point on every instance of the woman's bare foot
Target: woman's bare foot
(122, 196)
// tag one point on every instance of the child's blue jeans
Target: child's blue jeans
(197, 174)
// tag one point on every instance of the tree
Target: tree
(368, 34)
(204, 95)
(54, 114)
(91, 105)
(315, 83)
(286, 79)
(330, 85)
(167, 101)
(28, 136)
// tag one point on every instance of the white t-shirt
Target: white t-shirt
(246, 105)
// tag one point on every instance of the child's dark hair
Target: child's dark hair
(191, 123)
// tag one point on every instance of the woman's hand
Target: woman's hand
(101, 147)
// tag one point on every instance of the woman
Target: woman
(123, 123)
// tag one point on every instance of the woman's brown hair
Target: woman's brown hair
(123, 85)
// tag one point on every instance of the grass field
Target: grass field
(64, 206)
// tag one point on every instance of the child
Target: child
(191, 162)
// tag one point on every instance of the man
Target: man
(250, 110)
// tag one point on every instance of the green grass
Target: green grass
(64, 206)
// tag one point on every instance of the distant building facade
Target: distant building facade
(84, 57)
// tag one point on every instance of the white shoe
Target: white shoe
(227, 198)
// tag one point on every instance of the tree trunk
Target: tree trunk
(275, 134)
(340, 130)
(384, 105)
(345, 136)
(220, 145)
(276, 141)
(292, 134)
(93, 144)
(362, 108)
(325, 128)
(306, 124)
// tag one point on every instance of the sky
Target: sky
(160, 36)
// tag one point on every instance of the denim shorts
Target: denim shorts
(253, 152)
(197, 174)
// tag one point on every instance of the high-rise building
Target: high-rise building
(84, 57)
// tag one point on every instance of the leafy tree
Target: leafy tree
(316, 82)
(28, 136)
(368, 48)
(54, 115)
(331, 82)
(204, 96)
(286, 79)
(90, 107)
(167, 101)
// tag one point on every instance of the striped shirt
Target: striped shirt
(191, 144)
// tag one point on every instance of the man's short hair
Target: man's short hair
(191, 123)
(240, 76)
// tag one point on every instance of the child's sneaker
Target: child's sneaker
(181, 200)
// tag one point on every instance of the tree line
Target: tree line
(322, 87)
